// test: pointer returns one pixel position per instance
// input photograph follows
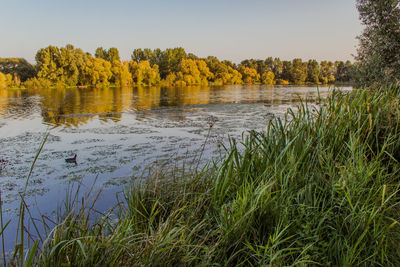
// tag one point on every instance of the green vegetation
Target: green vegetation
(379, 50)
(18, 68)
(319, 187)
(69, 67)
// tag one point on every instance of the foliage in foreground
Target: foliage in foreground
(320, 187)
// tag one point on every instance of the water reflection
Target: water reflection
(73, 107)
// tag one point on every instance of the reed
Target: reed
(318, 187)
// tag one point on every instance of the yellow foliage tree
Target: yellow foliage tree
(9, 79)
(170, 79)
(121, 73)
(205, 73)
(250, 75)
(235, 76)
(3, 81)
(268, 78)
(192, 72)
(97, 72)
(180, 79)
(143, 73)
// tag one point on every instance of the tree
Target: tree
(48, 64)
(113, 55)
(277, 68)
(223, 72)
(68, 64)
(268, 78)
(269, 64)
(250, 75)
(170, 60)
(19, 66)
(286, 70)
(121, 75)
(97, 72)
(205, 73)
(101, 53)
(191, 72)
(143, 73)
(233, 76)
(327, 71)
(141, 55)
(3, 81)
(298, 72)
(379, 45)
(343, 71)
(313, 72)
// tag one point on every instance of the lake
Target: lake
(117, 133)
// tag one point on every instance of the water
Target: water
(117, 132)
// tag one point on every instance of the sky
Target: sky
(229, 29)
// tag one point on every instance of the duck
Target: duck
(3, 162)
(71, 160)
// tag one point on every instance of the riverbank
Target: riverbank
(161, 85)
(318, 187)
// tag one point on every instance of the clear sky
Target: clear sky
(229, 29)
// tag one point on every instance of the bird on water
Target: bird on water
(71, 160)
(3, 162)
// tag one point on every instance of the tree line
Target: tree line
(69, 66)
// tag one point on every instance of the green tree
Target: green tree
(48, 64)
(141, 55)
(170, 60)
(68, 64)
(258, 65)
(19, 66)
(343, 71)
(379, 49)
(327, 72)
(277, 68)
(113, 55)
(313, 72)
(101, 53)
(286, 70)
(298, 72)
(269, 64)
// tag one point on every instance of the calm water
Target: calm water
(117, 132)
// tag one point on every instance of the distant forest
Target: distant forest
(70, 67)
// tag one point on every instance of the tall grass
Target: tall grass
(319, 187)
